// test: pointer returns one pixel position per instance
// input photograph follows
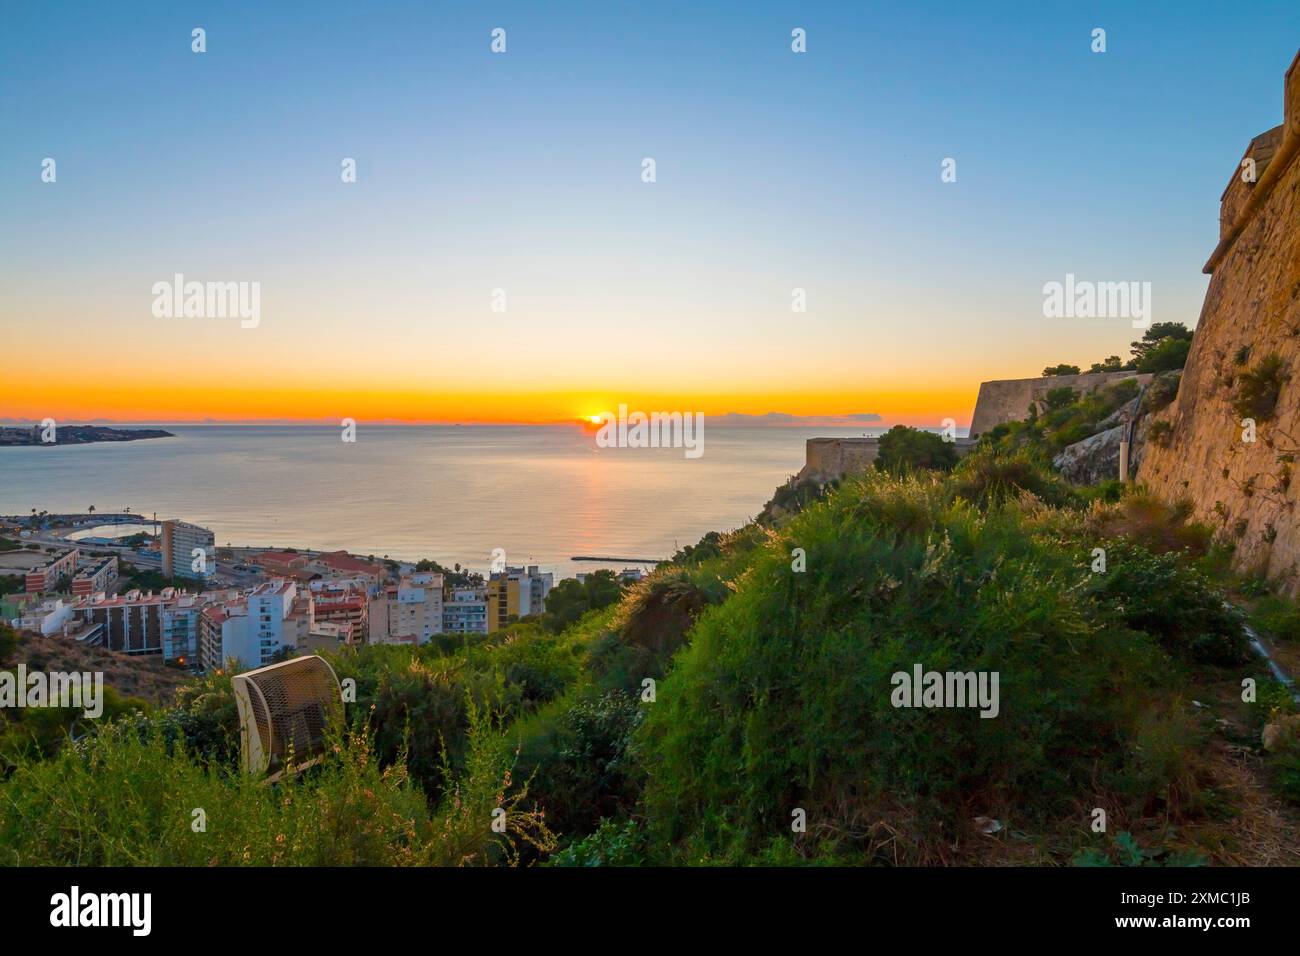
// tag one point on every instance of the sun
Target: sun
(596, 419)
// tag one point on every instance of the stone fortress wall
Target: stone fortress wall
(1251, 311)
(1008, 400)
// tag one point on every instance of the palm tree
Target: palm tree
(90, 510)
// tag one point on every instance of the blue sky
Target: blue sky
(521, 171)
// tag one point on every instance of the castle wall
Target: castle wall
(833, 458)
(1251, 310)
(1008, 400)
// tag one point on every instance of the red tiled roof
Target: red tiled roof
(342, 561)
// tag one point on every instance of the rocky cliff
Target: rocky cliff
(1233, 434)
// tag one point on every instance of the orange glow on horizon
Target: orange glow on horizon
(151, 398)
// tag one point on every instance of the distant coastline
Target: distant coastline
(76, 435)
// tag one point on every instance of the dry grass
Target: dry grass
(1263, 830)
(1149, 521)
(145, 677)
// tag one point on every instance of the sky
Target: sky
(522, 171)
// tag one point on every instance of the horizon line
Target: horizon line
(734, 420)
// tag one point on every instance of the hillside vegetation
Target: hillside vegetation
(736, 708)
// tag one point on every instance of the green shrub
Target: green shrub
(569, 600)
(1123, 850)
(1277, 616)
(1258, 389)
(1162, 391)
(1058, 398)
(1163, 347)
(783, 698)
(1286, 768)
(987, 477)
(612, 844)
(578, 762)
(789, 499)
(1169, 355)
(1160, 595)
(903, 448)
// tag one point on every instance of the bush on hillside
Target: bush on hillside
(1160, 595)
(1153, 523)
(577, 763)
(569, 600)
(903, 448)
(783, 698)
(988, 477)
(1277, 616)
(788, 500)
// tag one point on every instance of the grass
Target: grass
(129, 799)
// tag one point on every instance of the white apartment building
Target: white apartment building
(275, 615)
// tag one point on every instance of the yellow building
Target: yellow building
(516, 592)
(503, 600)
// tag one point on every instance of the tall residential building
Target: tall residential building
(219, 627)
(278, 616)
(466, 612)
(541, 584)
(516, 592)
(181, 626)
(409, 612)
(182, 543)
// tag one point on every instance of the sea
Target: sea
(541, 493)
